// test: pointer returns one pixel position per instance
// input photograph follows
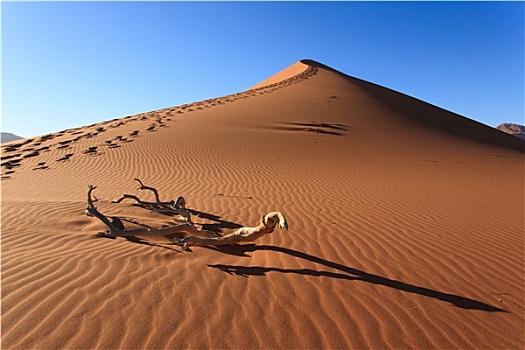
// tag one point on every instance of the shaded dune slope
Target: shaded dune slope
(406, 225)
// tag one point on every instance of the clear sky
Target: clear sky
(69, 64)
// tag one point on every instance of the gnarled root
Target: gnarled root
(171, 207)
(195, 236)
(185, 228)
(92, 210)
(243, 234)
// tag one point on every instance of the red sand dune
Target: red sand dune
(406, 225)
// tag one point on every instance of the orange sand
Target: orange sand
(406, 225)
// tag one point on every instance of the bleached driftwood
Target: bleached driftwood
(185, 228)
(243, 234)
(193, 235)
(174, 207)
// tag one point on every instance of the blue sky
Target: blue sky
(69, 64)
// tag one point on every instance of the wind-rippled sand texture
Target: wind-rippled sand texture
(406, 225)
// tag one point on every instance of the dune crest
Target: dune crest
(287, 73)
(406, 225)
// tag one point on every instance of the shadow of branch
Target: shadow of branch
(219, 224)
(346, 273)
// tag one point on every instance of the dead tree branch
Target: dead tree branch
(243, 234)
(193, 235)
(154, 190)
(186, 228)
(92, 210)
(171, 207)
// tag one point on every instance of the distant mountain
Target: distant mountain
(513, 129)
(7, 136)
